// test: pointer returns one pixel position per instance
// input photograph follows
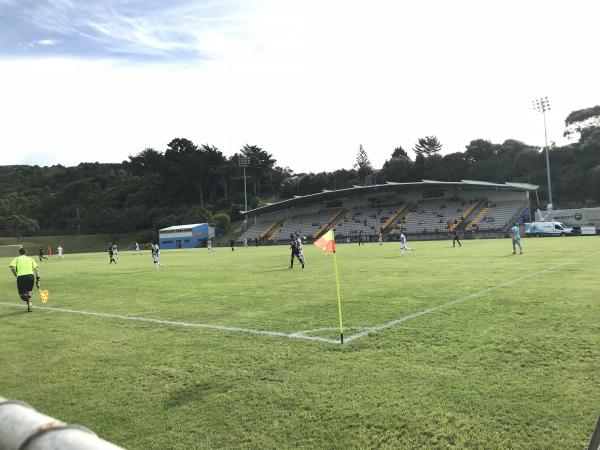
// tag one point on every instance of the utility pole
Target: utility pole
(78, 221)
(243, 162)
(542, 105)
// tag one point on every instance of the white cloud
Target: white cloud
(310, 81)
(46, 42)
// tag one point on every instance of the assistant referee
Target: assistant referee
(23, 267)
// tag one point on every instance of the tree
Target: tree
(427, 146)
(455, 167)
(221, 221)
(19, 225)
(260, 163)
(399, 169)
(363, 164)
(185, 168)
(581, 120)
(479, 150)
(214, 173)
(399, 152)
(147, 161)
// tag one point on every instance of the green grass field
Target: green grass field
(466, 347)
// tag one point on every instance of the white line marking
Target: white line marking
(301, 334)
(183, 324)
(395, 322)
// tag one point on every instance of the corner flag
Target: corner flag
(327, 243)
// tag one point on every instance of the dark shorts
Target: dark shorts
(25, 283)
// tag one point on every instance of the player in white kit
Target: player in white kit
(404, 247)
(59, 252)
(156, 256)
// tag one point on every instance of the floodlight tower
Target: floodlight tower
(243, 162)
(542, 105)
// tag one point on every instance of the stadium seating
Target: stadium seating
(427, 216)
(497, 216)
(367, 219)
(308, 225)
(430, 216)
(254, 231)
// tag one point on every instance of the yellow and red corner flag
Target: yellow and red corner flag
(327, 243)
(44, 296)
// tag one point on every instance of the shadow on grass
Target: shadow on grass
(192, 393)
(15, 313)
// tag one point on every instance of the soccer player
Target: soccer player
(209, 246)
(516, 239)
(59, 252)
(232, 243)
(23, 268)
(111, 254)
(156, 256)
(246, 242)
(41, 254)
(296, 246)
(360, 238)
(136, 250)
(404, 247)
(380, 238)
(49, 252)
(456, 239)
(115, 251)
(300, 251)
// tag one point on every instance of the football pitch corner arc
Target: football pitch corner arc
(308, 335)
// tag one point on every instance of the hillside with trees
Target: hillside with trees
(187, 182)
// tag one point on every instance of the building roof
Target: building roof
(389, 186)
(177, 227)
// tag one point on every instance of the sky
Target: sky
(308, 81)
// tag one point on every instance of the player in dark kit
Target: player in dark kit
(232, 243)
(296, 246)
(456, 239)
(360, 238)
(111, 254)
(41, 254)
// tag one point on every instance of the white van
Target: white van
(547, 229)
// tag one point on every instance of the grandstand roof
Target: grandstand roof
(389, 186)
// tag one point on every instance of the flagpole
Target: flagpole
(337, 285)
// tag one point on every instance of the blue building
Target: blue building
(185, 236)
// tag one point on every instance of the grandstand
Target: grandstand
(495, 216)
(369, 220)
(425, 210)
(431, 216)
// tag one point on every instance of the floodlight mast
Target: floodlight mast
(243, 162)
(542, 105)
